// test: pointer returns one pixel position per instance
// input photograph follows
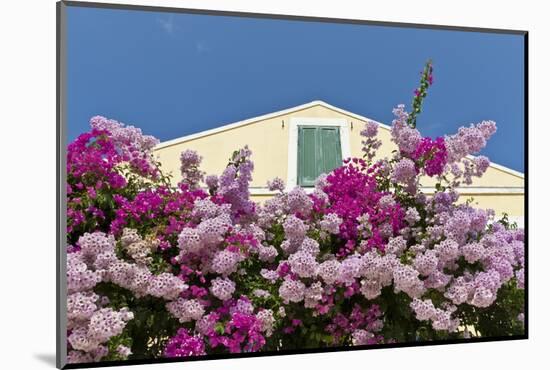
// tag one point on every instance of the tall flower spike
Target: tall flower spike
(420, 93)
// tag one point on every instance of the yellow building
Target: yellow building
(298, 143)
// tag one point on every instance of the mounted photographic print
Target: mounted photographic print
(235, 184)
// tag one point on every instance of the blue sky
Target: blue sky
(176, 74)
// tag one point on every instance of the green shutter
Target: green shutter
(319, 152)
(307, 155)
(330, 149)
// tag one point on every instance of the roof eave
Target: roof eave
(283, 112)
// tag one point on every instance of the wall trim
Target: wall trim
(480, 190)
(474, 190)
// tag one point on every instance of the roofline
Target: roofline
(313, 103)
(502, 168)
(252, 120)
(351, 114)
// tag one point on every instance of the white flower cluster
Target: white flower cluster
(137, 248)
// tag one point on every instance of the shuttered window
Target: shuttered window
(319, 151)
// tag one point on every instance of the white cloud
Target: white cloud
(202, 47)
(167, 23)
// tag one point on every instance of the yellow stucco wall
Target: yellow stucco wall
(512, 204)
(269, 141)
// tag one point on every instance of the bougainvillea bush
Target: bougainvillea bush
(365, 258)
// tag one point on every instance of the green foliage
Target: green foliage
(151, 326)
(421, 93)
(499, 319)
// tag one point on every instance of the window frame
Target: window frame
(295, 123)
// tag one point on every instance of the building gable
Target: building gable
(272, 143)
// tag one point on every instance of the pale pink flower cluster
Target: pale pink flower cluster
(267, 253)
(406, 279)
(191, 175)
(298, 201)
(303, 264)
(211, 182)
(426, 263)
(466, 142)
(361, 337)
(277, 184)
(313, 294)
(185, 310)
(133, 147)
(404, 171)
(295, 229)
(97, 262)
(103, 324)
(396, 245)
(329, 270)
(406, 138)
(350, 269)
(331, 223)
(292, 290)
(441, 319)
(469, 140)
(267, 321)
(370, 144)
(234, 182)
(222, 288)
(310, 246)
(121, 133)
(206, 209)
(225, 262)
(243, 305)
